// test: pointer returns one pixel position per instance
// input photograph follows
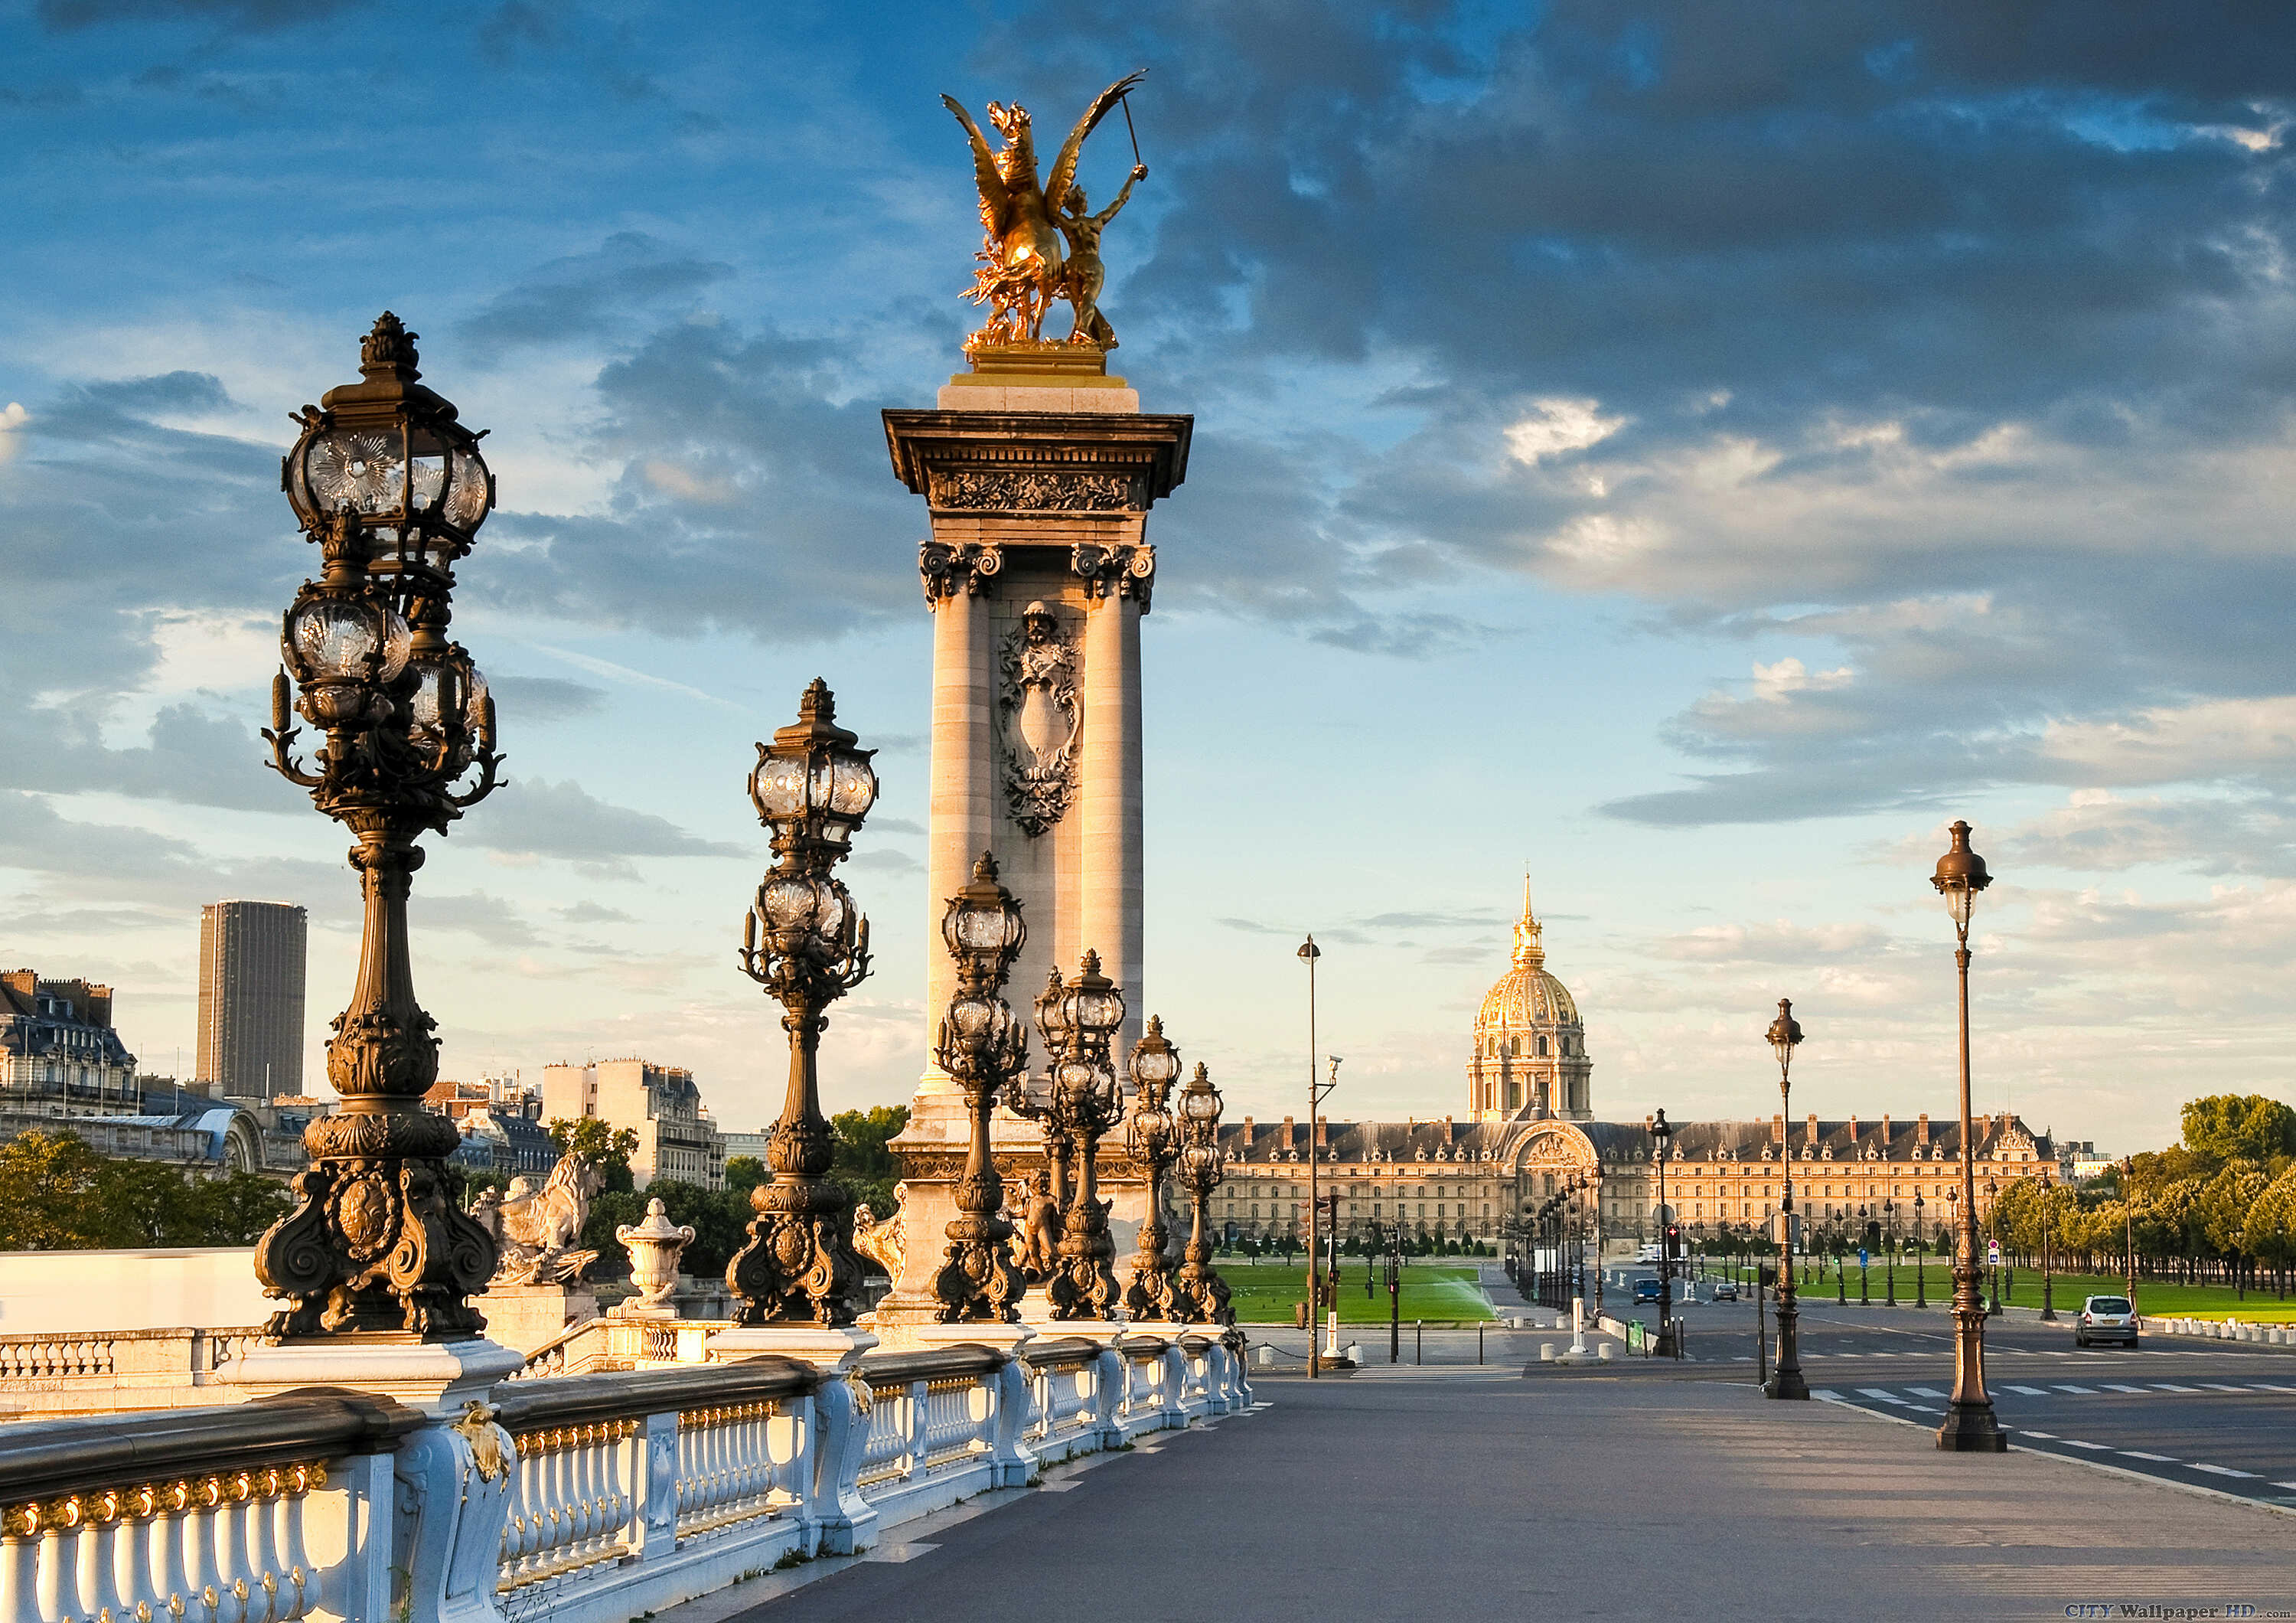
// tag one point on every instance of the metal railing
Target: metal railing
(587, 1498)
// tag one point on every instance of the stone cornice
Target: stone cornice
(1063, 461)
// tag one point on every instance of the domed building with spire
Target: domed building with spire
(1530, 1058)
(1530, 1135)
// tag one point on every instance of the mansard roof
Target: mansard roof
(1445, 1139)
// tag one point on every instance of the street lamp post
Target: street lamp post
(2128, 1218)
(1310, 953)
(982, 1047)
(1970, 1424)
(1865, 1219)
(1889, 1262)
(1992, 1236)
(2048, 1261)
(393, 489)
(1921, 1257)
(1200, 1295)
(1077, 1019)
(1153, 1138)
(1661, 1135)
(806, 944)
(1787, 1381)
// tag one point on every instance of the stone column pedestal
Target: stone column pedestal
(436, 1376)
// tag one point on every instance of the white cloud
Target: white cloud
(2168, 743)
(1775, 682)
(1555, 425)
(14, 417)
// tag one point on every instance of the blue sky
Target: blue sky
(1694, 451)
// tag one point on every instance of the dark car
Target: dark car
(2105, 1318)
(1726, 1291)
(1646, 1290)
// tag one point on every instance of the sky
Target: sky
(1688, 453)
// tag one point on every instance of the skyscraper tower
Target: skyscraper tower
(251, 956)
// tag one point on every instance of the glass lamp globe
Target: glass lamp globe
(335, 640)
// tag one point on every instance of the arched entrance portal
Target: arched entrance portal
(1555, 1223)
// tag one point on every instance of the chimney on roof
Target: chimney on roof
(1247, 1132)
(1885, 1135)
(1447, 1126)
(1922, 1132)
(1812, 1130)
(1290, 1135)
(1853, 1133)
(1778, 1128)
(1985, 1126)
(1322, 1126)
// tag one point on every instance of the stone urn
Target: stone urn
(654, 1246)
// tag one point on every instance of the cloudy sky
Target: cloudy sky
(1695, 451)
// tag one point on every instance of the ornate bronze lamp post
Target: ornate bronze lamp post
(1661, 1135)
(807, 943)
(1086, 1101)
(393, 489)
(2048, 1260)
(1153, 1136)
(1970, 1425)
(1992, 1230)
(1889, 1256)
(1199, 1295)
(1786, 1380)
(983, 1048)
(1921, 1255)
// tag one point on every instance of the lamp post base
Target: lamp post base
(1787, 1384)
(1971, 1429)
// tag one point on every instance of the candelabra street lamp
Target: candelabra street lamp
(1077, 1019)
(1889, 1258)
(1199, 1296)
(982, 1047)
(806, 943)
(393, 489)
(1992, 1230)
(1153, 1136)
(1969, 1424)
(1865, 1229)
(1787, 1381)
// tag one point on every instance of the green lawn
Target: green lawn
(1264, 1295)
(2155, 1299)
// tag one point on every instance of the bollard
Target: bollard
(1547, 1352)
(1604, 1352)
(1478, 1344)
(1266, 1356)
(1419, 1340)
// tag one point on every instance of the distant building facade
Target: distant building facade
(1529, 1128)
(58, 1051)
(251, 967)
(676, 1137)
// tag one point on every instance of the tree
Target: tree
(866, 1168)
(609, 1148)
(744, 1173)
(235, 1211)
(2240, 1127)
(49, 1196)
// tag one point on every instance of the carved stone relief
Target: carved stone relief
(1035, 490)
(1038, 713)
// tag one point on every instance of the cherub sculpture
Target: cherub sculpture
(1024, 263)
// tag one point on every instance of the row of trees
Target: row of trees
(57, 1193)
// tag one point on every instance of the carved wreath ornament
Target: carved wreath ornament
(1022, 491)
(1037, 713)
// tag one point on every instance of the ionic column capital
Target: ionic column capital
(1128, 569)
(949, 567)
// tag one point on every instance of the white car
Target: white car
(2105, 1318)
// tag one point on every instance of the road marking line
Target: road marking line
(2162, 1386)
(2225, 1470)
(2292, 1485)
(2112, 1386)
(1887, 1397)
(2027, 1391)
(2083, 1391)
(2050, 1436)
(1925, 1392)
(2158, 1459)
(1832, 1397)
(2266, 1386)
(2215, 1386)
(2099, 1447)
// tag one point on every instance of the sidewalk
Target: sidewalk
(1484, 1496)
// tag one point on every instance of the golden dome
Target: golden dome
(1526, 997)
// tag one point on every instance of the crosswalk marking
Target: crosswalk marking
(1925, 1391)
(2083, 1391)
(2098, 1447)
(2028, 1391)
(2158, 1459)
(2226, 1470)
(2266, 1386)
(2214, 1386)
(1887, 1397)
(2288, 1485)
(2110, 1386)
(2162, 1386)
(2050, 1437)
(1829, 1397)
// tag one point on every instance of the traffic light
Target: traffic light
(1673, 1239)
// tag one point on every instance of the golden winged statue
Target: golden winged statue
(1043, 240)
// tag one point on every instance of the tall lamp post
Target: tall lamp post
(1662, 1135)
(1199, 1296)
(2048, 1261)
(1153, 1138)
(1890, 1237)
(2128, 1218)
(1787, 1379)
(1992, 1236)
(1921, 1255)
(1970, 1424)
(806, 944)
(1310, 953)
(983, 1047)
(393, 489)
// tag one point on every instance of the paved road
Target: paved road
(2214, 1415)
(1464, 1494)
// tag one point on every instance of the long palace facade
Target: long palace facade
(1529, 1129)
